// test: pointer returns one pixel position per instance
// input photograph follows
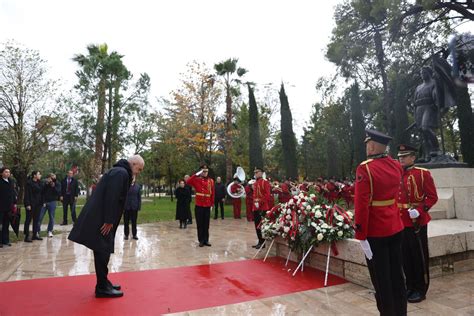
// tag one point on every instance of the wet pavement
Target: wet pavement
(164, 245)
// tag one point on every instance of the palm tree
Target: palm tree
(93, 77)
(230, 74)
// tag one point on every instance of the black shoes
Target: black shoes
(135, 237)
(110, 292)
(125, 237)
(37, 237)
(63, 224)
(201, 244)
(416, 297)
(259, 245)
(28, 238)
(207, 244)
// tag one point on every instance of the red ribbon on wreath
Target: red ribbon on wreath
(330, 218)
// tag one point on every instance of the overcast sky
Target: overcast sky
(274, 40)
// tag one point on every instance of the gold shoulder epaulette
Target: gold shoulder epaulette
(366, 162)
(419, 168)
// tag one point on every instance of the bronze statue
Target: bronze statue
(426, 113)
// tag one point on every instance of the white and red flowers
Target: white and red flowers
(304, 223)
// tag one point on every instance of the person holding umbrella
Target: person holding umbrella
(7, 203)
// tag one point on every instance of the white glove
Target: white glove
(199, 173)
(413, 213)
(364, 244)
(256, 205)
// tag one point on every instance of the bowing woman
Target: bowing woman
(183, 196)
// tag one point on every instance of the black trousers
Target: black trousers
(386, 273)
(101, 261)
(257, 218)
(416, 259)
(5, 222)
(218, 203)
(32, 215)
(203, 216)
(130, 215)
(69, 200)
(190, 216)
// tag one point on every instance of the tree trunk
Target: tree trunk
(228, 135)
(358, 125)
(388, 120)
(99, 130)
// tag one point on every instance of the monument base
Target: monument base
(451, 247)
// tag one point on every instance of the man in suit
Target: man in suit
(7, 200)
(219, 198)
(98, 221)
(69, 193)
(378, 224)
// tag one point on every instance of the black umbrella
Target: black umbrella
(15, 216)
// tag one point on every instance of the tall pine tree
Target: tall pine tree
(466, 125)
(288, 139)
(358, 125)
(255, 146)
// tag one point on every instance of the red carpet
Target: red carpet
(155, 292)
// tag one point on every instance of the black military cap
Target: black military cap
(258, 169)
(377, 136)
(204, 166)
(406, 150)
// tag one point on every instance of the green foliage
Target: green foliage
(255, 144)
(288, 139)
(29, 118)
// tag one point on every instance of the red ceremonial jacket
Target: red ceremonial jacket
(376, 191)
(417, 190)
(284, 195)
(261, 194)
(235, 188)
(204, 190)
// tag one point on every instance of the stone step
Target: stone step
(437, 213)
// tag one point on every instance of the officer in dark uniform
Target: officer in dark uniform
(378, 224)
(416, 197)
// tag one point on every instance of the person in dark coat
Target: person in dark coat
(219, 198)
(132, 206)
(51, 192)
(69, 192)
(188, 204)
(98, 221)
(183, 196)
(33, 201)
(7, 201)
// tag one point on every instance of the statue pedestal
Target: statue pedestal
(451, 246)
(455, 187)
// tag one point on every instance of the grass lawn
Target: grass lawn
(154, 209)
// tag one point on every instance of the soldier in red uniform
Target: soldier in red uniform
(204, 187)
(378, 223)
(249, 201)
(236, 188)
(261, 203)
(416, 197)
(348, 193)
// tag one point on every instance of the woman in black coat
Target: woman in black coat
(132, 206)
(7, 200)
(33, 201)
(183, 196)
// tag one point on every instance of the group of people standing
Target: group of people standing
(392, 200)
(39, 197)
